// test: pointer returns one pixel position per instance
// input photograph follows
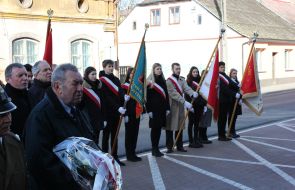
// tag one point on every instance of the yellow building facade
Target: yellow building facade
(83, 31)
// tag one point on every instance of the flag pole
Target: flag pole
(128, 91)
(236, 102)
(201, 81)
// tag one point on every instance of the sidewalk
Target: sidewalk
(278, 87)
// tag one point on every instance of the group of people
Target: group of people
(56, 104)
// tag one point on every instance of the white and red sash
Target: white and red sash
(93, 96)
(114, 88)
(125, 85)
(158, 89)
(223, 79)
(195, 85)
(176, 84)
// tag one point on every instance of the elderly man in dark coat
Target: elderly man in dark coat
(53, 120)
(42, 81)
(16, 77)
(12, 164)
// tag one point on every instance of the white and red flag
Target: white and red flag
(209, 88)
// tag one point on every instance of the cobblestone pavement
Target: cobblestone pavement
(263, 158)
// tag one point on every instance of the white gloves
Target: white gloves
(187, 105)
(126, 119)
(167, 112)
(195, 94)
(192, 110)
(122, 110)
(205, 109)
(150, 114)
(126, 98)
(105, 124)
(240, 102)
(238, 95)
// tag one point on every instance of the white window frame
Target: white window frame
(80, 58)
(23, 56)
(259, 59)
(287, 59)
(155, 19)
(174, 17)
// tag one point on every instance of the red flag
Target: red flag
(209, 88)
(249, 81)
(250, 88)
(48, 44)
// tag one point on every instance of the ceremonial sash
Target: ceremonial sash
(176, 84)
(158, 89)
(195, 85)
(93, 96)
(223, 79)
(125, 85)
(110, 85)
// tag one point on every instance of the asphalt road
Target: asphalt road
(277, 106)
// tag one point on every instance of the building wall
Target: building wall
(97, 25)
(191, 44)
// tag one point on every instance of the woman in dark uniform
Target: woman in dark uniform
(131, 122)
(234, 78)
(157, 105)
(193, 79)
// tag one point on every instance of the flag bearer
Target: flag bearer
(132, 119)
(157, 106)
(114, 98)
(177, 86)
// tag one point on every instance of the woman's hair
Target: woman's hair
(231, 71)
(151, 77)
(189, 77)
(129, 70)
(87, 71)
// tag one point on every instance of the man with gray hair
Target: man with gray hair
(51, 121)
(17, 83)
(42, 80)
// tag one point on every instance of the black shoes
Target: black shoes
(206, 141)
(119, 162)
(235, 136)
(169, 151)
(195, 145)
(181, 149)
(133, 158)
(157, 153)
(224, 139)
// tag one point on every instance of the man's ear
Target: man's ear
(56, 86)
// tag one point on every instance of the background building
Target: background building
(186, 31)
(83, 31)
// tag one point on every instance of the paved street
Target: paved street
(277, 106)
(263, 158)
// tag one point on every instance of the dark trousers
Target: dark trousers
(155, 133)
(203, 133)
(222, 118)
(131, 134)
(193, 128)
(233, 126)
(170, 140)
(110, 129)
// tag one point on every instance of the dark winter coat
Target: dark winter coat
(12, 164)
(37, 91)
(48, 125)
(236, 89)
(112, 101)
(227, 90)
(19, 116)
(157, 104)
(96, 113)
